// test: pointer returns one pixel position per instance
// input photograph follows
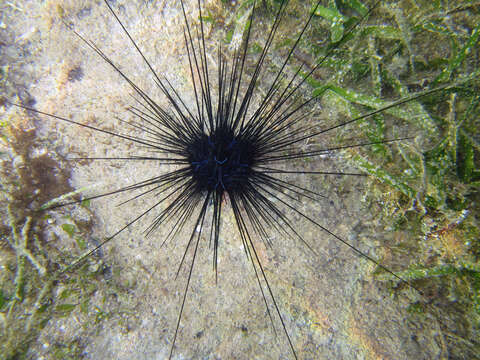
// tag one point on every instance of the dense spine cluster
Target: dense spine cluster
(227, 149)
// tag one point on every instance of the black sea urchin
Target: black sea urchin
(231, 145)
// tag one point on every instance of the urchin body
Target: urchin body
(221, 161)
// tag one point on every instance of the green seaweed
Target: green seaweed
(459, 56)
(70, 229)
(33, 293)
(433, 182)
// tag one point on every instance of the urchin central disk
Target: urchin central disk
(221, 161)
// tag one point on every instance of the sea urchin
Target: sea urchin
(224, 148)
